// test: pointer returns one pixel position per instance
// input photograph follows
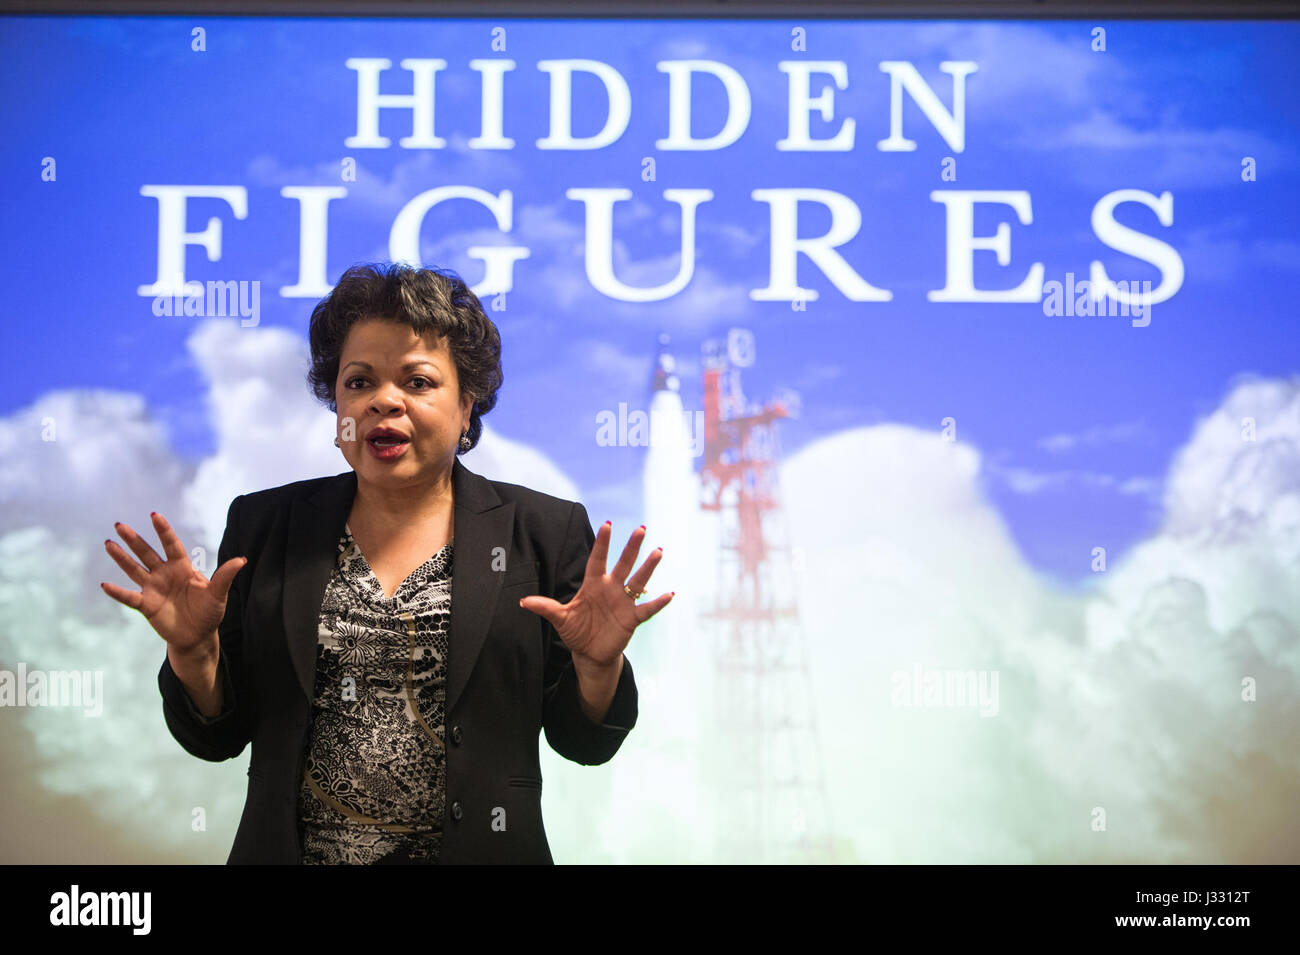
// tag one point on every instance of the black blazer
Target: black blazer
(508, 673)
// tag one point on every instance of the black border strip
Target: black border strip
(791, 10)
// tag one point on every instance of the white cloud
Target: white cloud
(738, 239)
(1093, 436)
(607, 362)
(1011, 58)
(68, 454)
(1170, 153)
(515, 462)
(380, 195)
(1128, 700)
(1219, 251)
(1240, 461)
(1023, 480)
(269, 428)
(1087, 103)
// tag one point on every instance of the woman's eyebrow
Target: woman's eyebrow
(407, 367)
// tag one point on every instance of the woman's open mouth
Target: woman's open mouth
(387, 446)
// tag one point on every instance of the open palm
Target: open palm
(180, 603)
(597, 623)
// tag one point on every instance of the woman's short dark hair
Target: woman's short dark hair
(428, 300)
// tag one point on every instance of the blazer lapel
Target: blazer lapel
(315, 526)
(482, 523)
(484, 531)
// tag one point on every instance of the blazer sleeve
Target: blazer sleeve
(225, 735)
(568, 730)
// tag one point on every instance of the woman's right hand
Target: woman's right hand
(180, 603)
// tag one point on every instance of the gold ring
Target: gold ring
(635, 596)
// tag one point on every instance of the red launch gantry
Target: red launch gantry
(764, 720)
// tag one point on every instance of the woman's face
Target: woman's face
(390, 378)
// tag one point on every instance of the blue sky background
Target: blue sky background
(121, 103)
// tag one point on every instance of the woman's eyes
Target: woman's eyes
(351, 383)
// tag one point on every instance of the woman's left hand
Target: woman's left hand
(597, 623)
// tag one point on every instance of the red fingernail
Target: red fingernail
(642, 527)
(153, 513)
(607, 523)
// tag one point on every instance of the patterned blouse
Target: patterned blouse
(374, 786)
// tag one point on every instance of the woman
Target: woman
(391, 639)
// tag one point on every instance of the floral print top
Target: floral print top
(374, 786)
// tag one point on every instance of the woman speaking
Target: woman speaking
(392, 639)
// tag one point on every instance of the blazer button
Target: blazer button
(456, 811)
(456, 735)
